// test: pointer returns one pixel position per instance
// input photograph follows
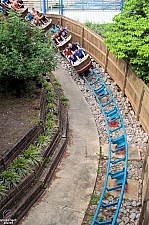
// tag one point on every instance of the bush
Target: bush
(32, 154)
(9, 178)
(100, 29)
(129, 36)
(25, 53)
(21, 166)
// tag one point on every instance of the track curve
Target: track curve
(117, 142)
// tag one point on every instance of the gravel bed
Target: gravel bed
(130, 208)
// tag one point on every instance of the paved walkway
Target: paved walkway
(66, 199)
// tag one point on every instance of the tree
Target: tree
(25, 52)
(129, 36)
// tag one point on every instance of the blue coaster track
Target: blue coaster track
(116, 168)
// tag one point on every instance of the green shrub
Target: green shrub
(28, 48)
(50, 124)
(32, 154)
(64, 100)
(51, 107)
(42, 141)
(51, 116)
(45, 84)
(2, 190)
(100, 29)
(10, 178)
(128, 37)
(50, 94)
(49, 88)
(51, 99)
(21, 166)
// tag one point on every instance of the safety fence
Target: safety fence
(99, 11)
(79, 4)
(121, 72)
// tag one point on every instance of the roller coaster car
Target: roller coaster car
(84, 65)
(64, 43)
(24, 12)
(81, 66)
(6, 9)
(47, 26)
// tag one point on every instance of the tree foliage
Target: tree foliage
(100, 29)
(128, 36)
(25, 52)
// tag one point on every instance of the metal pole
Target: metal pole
(59, 7)
(44, 6)
(122, 4)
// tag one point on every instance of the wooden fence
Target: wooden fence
(120, 71)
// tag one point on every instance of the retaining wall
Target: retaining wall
(19, 199)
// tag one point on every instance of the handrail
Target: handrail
(112, 117)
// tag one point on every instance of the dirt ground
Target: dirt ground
(17, 116)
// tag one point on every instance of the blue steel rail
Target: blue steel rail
(116, 168)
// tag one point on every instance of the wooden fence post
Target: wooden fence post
(144, 213)
(106, 60)
(82, 37)
(140, 102)
(125, 79)
(145, 161)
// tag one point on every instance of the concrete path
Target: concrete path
(66, 199)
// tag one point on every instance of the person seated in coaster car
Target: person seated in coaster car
(42, 18)
(34, 13)
(29, 16)
(72, 58)
(67, 52)
(20, 3)
(63, 31)
(63, 35)
(15, 6)
(57, 38)
(54, 28)
(73, 46)
(79, 53)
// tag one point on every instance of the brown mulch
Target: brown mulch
(17, 117)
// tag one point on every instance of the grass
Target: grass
(101, 218)
(2, 190)
(107, 195)
(101, 156)
(49, 159)
(94, 199)
(98, 171)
